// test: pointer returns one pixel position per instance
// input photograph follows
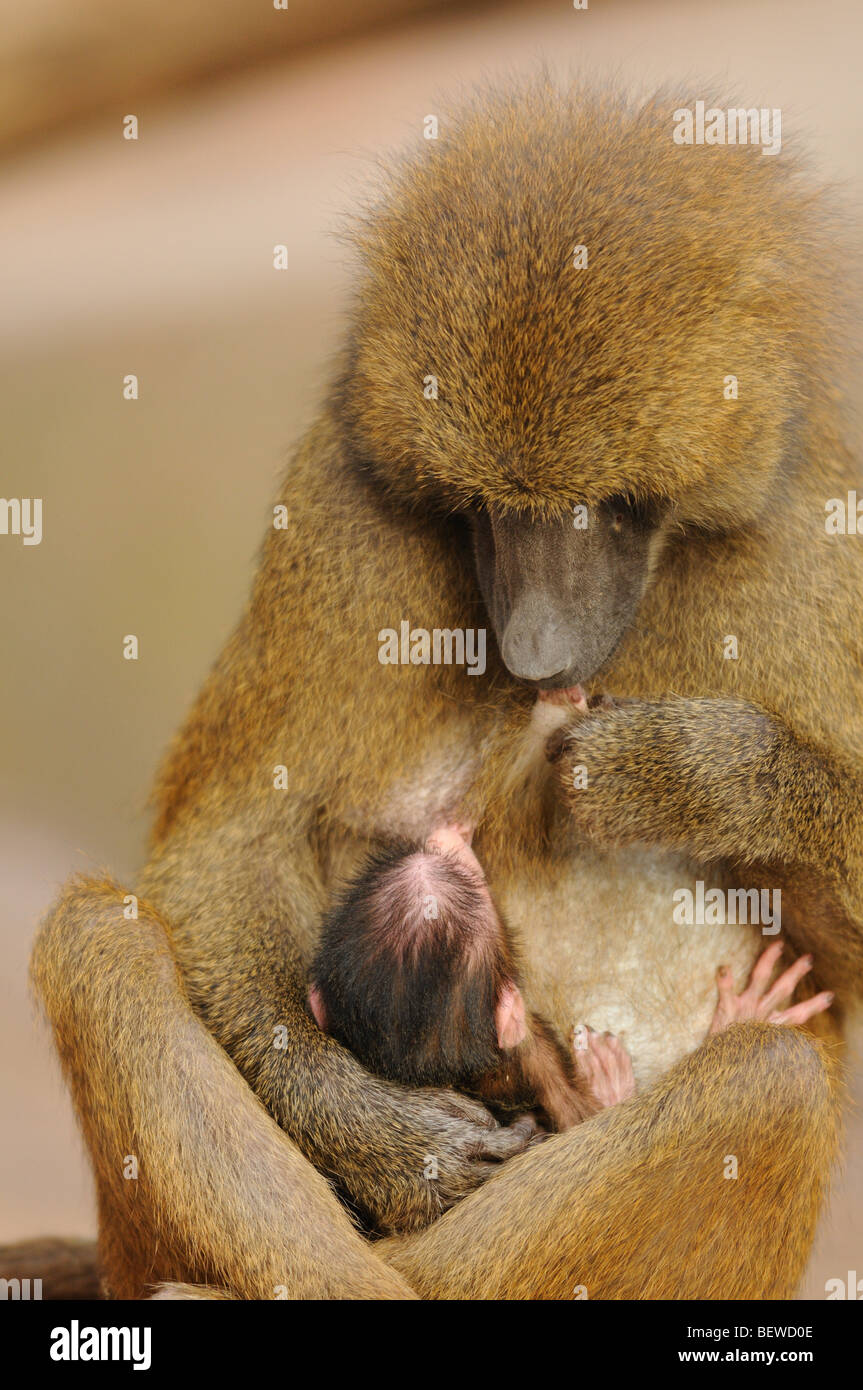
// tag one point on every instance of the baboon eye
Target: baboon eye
(626, 510)
(621, 510)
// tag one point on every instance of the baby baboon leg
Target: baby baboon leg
(707, 1186)
(196, 1183)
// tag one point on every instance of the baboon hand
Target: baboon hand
(437, 1147)
(764, 997)
(604, 1065)
(699, 774)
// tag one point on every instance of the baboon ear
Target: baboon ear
(509, 1018)
(316, 1004)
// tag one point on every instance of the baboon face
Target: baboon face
(497, 371)
(560, 594)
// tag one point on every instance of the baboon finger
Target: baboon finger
(725, 982)
(806, 1009)
(503, 1142)
(763, 969)
(461, 1107)
(783, 988)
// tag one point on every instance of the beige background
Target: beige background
(155, 258)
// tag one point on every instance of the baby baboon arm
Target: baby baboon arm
(562, 1091)
(725, 781)
(534, 1073)
(660, 1198)
(564, 1101)
(195, 1182)
(537, 1072)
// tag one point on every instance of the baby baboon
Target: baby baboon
(416, 974)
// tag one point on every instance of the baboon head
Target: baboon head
(576, 405)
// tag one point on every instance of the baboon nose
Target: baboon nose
(536, 647)
(544, 679)
(528, 661)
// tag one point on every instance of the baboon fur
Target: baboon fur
(556, 387)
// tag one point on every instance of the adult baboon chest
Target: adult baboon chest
(601, 947)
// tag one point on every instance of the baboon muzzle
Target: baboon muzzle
(559, 596)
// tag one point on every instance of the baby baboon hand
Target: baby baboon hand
(436, 1148)
(604, 1066)
(763, 1000)
(670, 772)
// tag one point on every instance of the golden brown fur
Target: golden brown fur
(556, 387)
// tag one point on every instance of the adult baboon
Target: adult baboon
(549, 440)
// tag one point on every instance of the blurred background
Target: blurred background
(154, 257)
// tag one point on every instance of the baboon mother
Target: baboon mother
(616, 458)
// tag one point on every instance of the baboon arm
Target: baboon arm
(234, 915)
(195, 1181)
(706, 1186)
(727, 782)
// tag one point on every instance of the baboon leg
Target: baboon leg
(196, 1184)
(642, 1201)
